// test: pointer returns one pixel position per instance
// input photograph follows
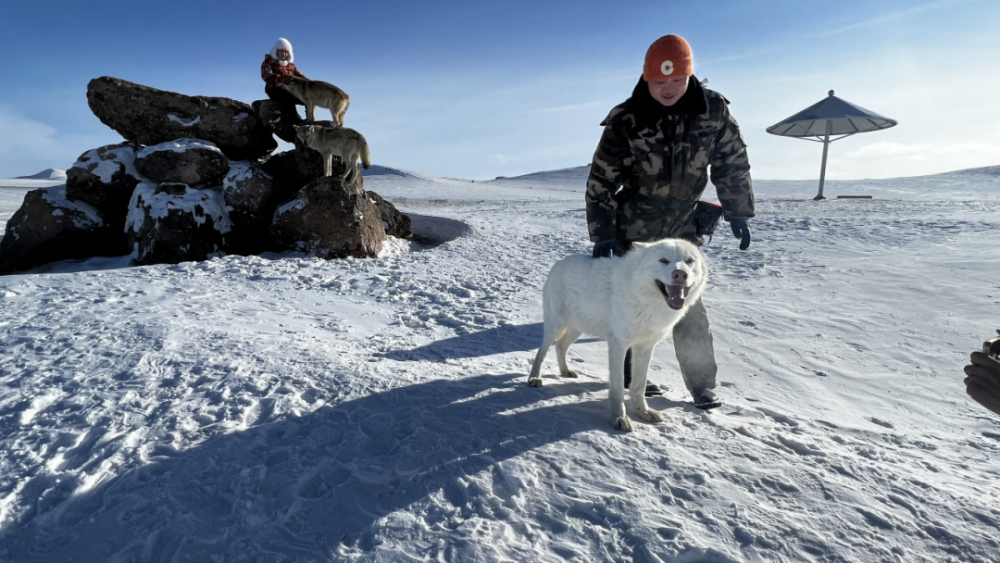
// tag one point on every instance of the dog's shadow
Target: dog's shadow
(500, 340)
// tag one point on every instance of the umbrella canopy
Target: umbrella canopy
(845, 117)
(831, 116)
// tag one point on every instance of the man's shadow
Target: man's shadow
(296, 487)
(500, 340)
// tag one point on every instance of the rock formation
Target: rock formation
(193, 180)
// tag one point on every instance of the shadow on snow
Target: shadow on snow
(500, 340)
(294, 489)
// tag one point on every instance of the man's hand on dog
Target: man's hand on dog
(983, 381)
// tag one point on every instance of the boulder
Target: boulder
(331, 220)
(49, 227)
(293, 170)
(104, 178)
(249, 195)
(173, 223)
(184, 161)
(278, 117)
(149, 116)
(396, 224)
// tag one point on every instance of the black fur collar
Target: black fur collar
(648, 110)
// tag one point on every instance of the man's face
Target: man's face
(668, 91)
(282, 54)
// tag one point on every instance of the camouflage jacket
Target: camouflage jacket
(652, 166)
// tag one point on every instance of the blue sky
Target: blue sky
(478, 90)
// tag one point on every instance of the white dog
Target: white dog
(632, 301)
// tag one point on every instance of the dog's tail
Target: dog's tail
(366, 156)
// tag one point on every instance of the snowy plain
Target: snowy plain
(285, 408)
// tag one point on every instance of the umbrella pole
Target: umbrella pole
(822, 170)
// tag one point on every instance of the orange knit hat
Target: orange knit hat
(668, 57)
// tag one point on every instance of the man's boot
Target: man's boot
(696, 356)
(706, 399)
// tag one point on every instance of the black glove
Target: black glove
(741, 230)
(983, 381)
(606, 249)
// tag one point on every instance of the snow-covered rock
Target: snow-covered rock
(172, 223)
(396, 224)
(185, 161)
(249, 195)
(104, 178)
(150, 116)
(49, 227)
(331, 220)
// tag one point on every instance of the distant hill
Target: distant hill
(377, 170)
(47, 174)
(984, 171)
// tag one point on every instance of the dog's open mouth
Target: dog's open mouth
(674, 293)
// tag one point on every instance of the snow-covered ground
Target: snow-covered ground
(284, 408)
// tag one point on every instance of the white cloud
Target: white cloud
(29, 146)
(504, 159)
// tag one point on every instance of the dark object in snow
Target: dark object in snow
(278, 117)
(331, 219)
(173, 223)
(396, 224)
(149, 116)
(105, 177)
(48, 227)
(184, 161)
(293, 170)
(706, 218)
(706, 399)
(249, 195)
(983, 371)
(854, 197)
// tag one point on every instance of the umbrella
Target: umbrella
(831, 116)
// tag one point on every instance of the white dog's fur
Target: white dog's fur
(623, 300)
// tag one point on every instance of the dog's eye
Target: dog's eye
(664, 261)
(689, 261)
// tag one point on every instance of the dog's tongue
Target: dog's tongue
(675, 295)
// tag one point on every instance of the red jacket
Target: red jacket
(273, 73)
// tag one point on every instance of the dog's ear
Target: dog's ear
(642, 244)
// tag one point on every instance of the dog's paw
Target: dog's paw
(650, 415)
(622, 423)
(572, 374)
(534, 381)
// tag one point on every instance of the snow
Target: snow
(115, 160)
(87, 216)
(241, 171)
(180, 145)
(184, 122)
(159, 205)
(286, 408)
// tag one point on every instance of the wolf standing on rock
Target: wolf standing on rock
(648, 173)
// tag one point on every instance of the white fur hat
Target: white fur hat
(283, 43)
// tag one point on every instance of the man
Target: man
(277, 68)
(648, 174)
